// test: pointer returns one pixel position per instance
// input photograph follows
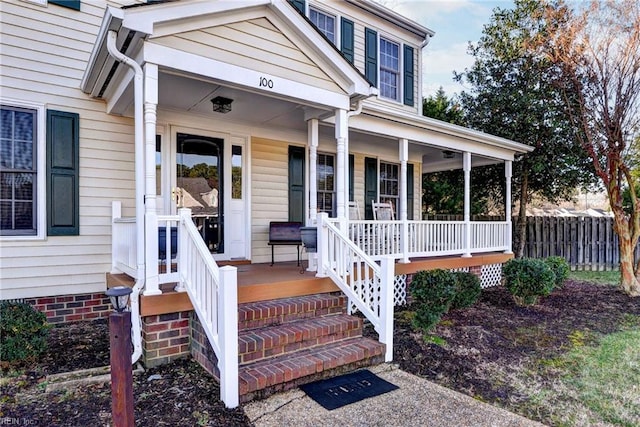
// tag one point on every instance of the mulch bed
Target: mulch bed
(492, 334)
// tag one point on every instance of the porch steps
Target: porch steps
(292, 341)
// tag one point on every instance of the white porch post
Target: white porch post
(404, 236)
(507, 206)
(466, 165)
(312, 126)
(150, 214)
(342, 130)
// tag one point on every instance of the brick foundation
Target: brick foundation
(72, 308)
(165, 337)
(201, 349)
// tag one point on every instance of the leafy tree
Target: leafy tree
(441, 107)
(597, 50)
(511, 95)
(442, 191)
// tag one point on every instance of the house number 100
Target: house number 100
(265, 82)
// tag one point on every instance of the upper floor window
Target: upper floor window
(18, 171)
(389, 69)
(324, 22)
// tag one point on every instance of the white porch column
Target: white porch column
(150, 213)
(507, 205)
(312, 126)
(342, 130)
(466, 165)
(404, 237)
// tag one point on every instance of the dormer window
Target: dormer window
(324, 22)
(389, 69)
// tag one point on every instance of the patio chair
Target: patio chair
(383, 211)
(354, 210)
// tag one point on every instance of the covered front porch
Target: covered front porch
(286, 145)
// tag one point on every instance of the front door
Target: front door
(200, 186)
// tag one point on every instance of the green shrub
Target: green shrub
(528, 279)
(560, 268)
(432, 292)
(23, 332)
(468, 290)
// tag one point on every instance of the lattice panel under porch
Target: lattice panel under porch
(491, 275)
(400, 290)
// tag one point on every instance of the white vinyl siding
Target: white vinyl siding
(269, 190)
(256, 44)
(43, 60)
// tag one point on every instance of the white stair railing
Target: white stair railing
(368, 286)
(214, 295)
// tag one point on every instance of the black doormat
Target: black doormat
(336, 392)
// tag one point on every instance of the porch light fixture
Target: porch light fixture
(119, 296)
(221, 104)
(447, 154)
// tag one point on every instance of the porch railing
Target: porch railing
(213, 291)
(368, 286)
(489, 236)
(426, 238)
(214, 295)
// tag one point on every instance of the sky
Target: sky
(456, 23)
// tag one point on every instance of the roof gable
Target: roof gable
(257, 35)
(257, 44)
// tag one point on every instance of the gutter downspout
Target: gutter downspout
(136, 334)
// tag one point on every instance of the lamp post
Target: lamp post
(120, 357)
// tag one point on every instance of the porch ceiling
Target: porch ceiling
(181, 93)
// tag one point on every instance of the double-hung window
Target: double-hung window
(324, 22)
(326, 190)
(18, 171)
(389, 69)
(389, 184)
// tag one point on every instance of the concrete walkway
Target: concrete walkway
(417, 402)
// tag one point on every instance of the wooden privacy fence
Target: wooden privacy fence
(587, 243)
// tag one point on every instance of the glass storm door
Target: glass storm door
(199, 185)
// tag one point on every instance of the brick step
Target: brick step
(270, 341)
(276, 312)
(287, 371)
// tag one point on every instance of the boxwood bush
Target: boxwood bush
(468, 290)
(528, 279)
(560, 268)
(432, 292)
(23, 332)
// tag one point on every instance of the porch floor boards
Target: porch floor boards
(263, 282)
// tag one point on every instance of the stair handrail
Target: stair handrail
(214, 295)
(357, 275)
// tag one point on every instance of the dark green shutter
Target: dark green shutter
(408, 76)
(296, 184)
(346, 38)
(299, 5)
(71, 4)
(351, 177)
(371, 56)
(63, 157)
(370, 185)
(410, 192)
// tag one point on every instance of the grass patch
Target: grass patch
(600, 277)
(592, 385)
(607, 377)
